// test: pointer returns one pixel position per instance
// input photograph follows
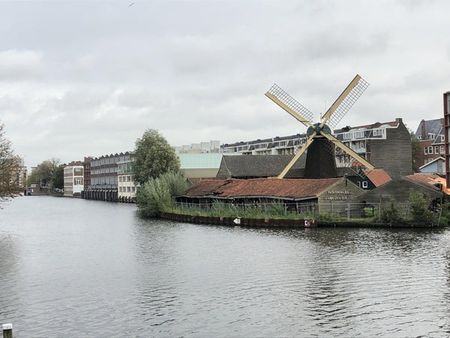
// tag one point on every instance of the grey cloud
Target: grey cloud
(89, 77)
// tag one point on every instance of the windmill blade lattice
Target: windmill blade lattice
(347, 103)
(292, 103)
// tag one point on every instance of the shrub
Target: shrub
(391, 215)
(420, 212)
(157, 194)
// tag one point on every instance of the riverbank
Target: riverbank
(285, 223)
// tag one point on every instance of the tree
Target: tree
(9, 167)
(415, 149)
(47, 173)
(420, 209)
(153, 157)
(58, 177)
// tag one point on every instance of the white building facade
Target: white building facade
(73, 180)
(126, 188)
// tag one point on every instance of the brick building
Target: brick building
(104, 178)
(87, 172)
(430, 134)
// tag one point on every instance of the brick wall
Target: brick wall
(393, 154)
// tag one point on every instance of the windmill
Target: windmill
(320, 143)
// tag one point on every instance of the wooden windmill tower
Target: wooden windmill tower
(320, 143)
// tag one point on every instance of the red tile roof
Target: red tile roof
(285, 188)
(430, 181)
(378, 177)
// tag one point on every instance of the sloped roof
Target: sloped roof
(378, 177)
(261, 187)
(393, 124)
(259, 165)
(430, 181)
(429, 127)
(440, 158)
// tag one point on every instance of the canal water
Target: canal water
(76, 268)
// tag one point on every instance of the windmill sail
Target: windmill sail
(344, 102)
(291, 105)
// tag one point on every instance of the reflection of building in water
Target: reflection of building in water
(73, 179)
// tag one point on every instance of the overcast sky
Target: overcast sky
(88, 77)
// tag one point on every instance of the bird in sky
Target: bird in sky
(131, 4)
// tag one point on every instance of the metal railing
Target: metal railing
(328, 211)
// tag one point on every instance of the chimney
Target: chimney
(423, 130)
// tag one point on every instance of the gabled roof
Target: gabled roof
(429, 127)
(431, 162)
(262, 187)
(378, 177)
(258, 165)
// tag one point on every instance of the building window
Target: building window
(365, 184)
(128, 189)
(347, 136)
(442, 150)
(128, 178)
(436, 150)
(442, 138)
(133, 189)
(359, 134)
(378, 132)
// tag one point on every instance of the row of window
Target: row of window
(127, 189)
(433, 137)
(103, 180)
(359, 134)
(109, 160)
(434, 150)
(126, 178)
(103, 171)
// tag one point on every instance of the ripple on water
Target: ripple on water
(82, 268)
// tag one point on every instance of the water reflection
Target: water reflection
(84, 268)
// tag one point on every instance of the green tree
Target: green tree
(58, 177)
(415, 149)
(153, 157)
(45, 174)
(9, 167)
(420, 209)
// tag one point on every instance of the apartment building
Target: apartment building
(430, 134)
(212, 146)
(126, 187)
(73, 179)
(284, 145)
(87, 172)
(104, 177)
(373, 142)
